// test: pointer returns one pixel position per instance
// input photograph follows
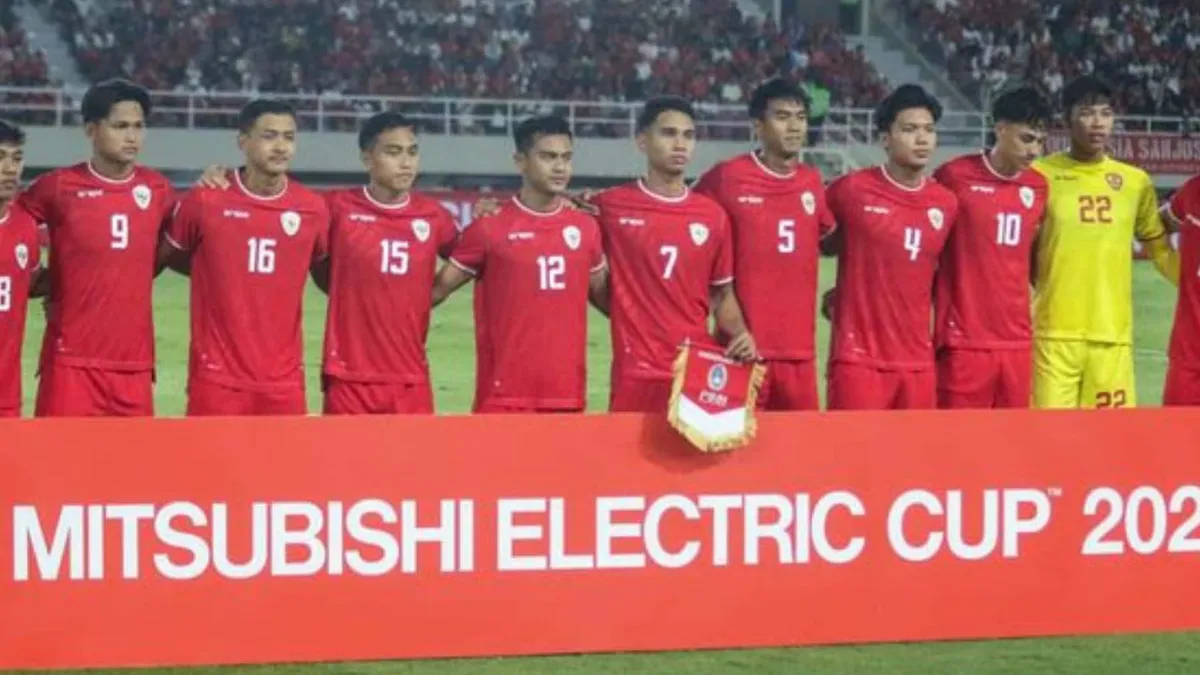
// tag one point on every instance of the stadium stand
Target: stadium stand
(1148, 49)
(20, 64)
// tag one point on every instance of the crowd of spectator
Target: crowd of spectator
(1146, 48)
(20, 64)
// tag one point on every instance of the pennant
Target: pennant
(713, 398)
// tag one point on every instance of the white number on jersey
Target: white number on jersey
(5, 293)
(551, 270)
(393, 258)
(671, 253)
(262, 255)
(120, 231)
(1008, 229)
(787, 235)
(912, 242)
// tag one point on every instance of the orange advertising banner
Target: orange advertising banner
(155, 542)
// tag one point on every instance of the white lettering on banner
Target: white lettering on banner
(1145, 515)
(508, 533)
(1009, 521)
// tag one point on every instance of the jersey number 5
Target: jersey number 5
(1095, 209)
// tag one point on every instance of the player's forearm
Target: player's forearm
(598, 292)
(831, 244)
(39, 284)
(1165, 258)
(449, 279)
(174, 258)
(728, 311)
(321, 275)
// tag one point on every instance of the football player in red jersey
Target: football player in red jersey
(104, 218)
(19, 255)
(778, 213)
(671, 256)
(1183, 371)
(536, 263)
(983, 331)
(892, 224)
(250, 250)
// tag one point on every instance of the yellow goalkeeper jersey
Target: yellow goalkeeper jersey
(1084, 273)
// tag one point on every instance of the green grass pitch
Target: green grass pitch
(451, 353)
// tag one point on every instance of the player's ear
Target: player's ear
(89, 130)
(365, 156)
(241, 140)
(641, 141)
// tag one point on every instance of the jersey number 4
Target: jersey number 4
(912, 242)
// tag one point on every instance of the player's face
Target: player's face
(669, 142)
(1092, 126)
(784, 127)
(12, 161)
(1020, 143)
(118, 138)
(394, 160)
(912, 139)
(547, 165)
(270, 144)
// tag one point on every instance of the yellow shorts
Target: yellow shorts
(1081, 374)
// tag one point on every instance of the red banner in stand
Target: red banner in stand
(181, 542)
(1157, 154)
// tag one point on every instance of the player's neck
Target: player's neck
(665, 185)
(536, 200)
(1001, 165)
(385, 196)
(263, 184)
(905, 176)
(111, 170)
(780, 164)
(1085, 157)
(4, 205)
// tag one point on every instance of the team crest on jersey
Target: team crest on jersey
(573, 236)
(699, 233)
(22, 253)
(290, 220)
(1026, 194)
(141, 197)
(936, 218)
(421, 230)
(809, 202)
(1114, 181)
(718, 377)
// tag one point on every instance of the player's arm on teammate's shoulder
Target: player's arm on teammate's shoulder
(215, 177)
(465, 263)
(1154, 236)
(180, 235)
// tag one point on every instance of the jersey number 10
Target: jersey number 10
(1008, 229)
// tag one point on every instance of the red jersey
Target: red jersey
(19, 256)
(982, 294)
(250, 261)
(531, 298)
(777, 221)
(1185, 335)
(384, 258)
(666, 254)
(104, 237)
(892, 238)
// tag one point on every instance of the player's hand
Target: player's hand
(215, 177)
(742, 348)
(583, 202)
(486, 206)
(827, 302)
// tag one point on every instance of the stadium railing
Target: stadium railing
(49, 106)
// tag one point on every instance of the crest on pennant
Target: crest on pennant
(22, 253)
(421, 229)
(290, 220)
(573, 236)
(1114, 180)
(699, 233)
(1026, 194)
(141, 197)
(809, 202)
(718, 377)
(936, 218)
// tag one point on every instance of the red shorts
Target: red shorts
(640, 395)
(789, 385)
(857, 387)
(978, 378)
(1182, 386)
(361, 398)
(68, 391)
(207, 399)
(500, 409)
(10, 412)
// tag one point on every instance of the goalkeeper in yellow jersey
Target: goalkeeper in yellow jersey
(1083, 271)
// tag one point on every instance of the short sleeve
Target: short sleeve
(471, 252)
(596, 253)
(833, 200)
(170, 199)
(722, 272)
(321, 245)
(709, 184)
(183, 226)
(447, 233)
(1149, 222)
(39, 198)
(825, 220)
(1183, 203)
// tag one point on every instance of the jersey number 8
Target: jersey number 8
(5, 293)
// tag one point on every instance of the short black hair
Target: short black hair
(776, 89)
(102, 97)
(659, 105)
(905, 97)
(1086, 90)
(259, 107)
(380, 123)
(1023, 105)
(526, 133)
(11, 134)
